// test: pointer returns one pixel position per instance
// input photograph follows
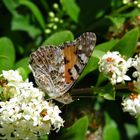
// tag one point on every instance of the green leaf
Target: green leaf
(1, 90)
(127, 45)
(24, 63)
(108, 92)
(11, 5)
(117, 21)
(117, 3)
(107, 46)
(92, 14)
(77, 131)
(44, 138)
(132, 14)
(7, 54)
(59, 38)
(131, 131)
(71, 8)
(19, 21)
(23, 73)
(101, 78)
(110, 131)
(138, 123)
(98, 53)
(35, 11)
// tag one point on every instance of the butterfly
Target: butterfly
(56, 68)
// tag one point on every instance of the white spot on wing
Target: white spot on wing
(74, 73)
(83, 57)
(91, 47)
(80, 47)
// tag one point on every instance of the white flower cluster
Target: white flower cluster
(26, 114)
(135, 62)
(114, 66)
(131, 104)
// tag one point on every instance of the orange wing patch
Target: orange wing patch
(70, 59)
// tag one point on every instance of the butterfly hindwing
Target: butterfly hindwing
(57, 68)
(47, 64)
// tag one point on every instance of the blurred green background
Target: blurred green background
(26, 25)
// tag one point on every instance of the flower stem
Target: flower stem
(123, 8)
(94, 90)
(87, 91)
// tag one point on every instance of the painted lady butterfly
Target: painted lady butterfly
(57, 68)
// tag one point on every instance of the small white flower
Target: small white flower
(12, 75)
(131, 104)
(135, 62)
(26, 115)
(114, 66)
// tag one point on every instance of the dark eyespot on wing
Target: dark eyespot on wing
(72, 78)
(69, 71)
(66, 61)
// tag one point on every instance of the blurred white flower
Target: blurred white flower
(12, 75)
(114, 66)
(131, 104)
(26, 115)
(56, 6)
(126, 1)
(135, 2)
(51, 14)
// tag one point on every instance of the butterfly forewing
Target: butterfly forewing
(57, 68)
(76, 55)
